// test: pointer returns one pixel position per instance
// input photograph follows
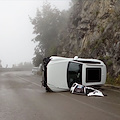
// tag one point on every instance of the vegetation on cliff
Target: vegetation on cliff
(94, 32)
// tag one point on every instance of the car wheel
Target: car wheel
(48, 89)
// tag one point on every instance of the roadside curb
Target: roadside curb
(112, 86)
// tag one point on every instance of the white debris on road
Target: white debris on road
(88, 91)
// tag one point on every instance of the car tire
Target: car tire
(48, 89)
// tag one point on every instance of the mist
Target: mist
(16, 31)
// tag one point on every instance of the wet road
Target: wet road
(23, 98)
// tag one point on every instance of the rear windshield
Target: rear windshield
(74, 73)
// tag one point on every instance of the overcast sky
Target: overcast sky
(16, 30)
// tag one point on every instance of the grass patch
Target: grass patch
(117, 81)
(113, 81)
(109, 63)
(110, 79)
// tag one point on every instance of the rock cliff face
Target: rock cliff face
(94, 32)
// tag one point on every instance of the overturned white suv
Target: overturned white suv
(60, 72)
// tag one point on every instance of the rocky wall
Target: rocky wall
(94, 32)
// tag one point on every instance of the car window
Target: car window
(74, 73)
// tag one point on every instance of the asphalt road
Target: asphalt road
(23, 98)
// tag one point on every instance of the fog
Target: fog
(16, 30)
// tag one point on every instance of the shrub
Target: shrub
(109, 63)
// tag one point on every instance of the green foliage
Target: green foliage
(47, 25)
(101, 58)
(110, 79)
(0, 64)
(107, 57)
(97, 12)
(109, 63)
(117, 80)
(38, 57)
(95, 45)
(113, 81)
(102, 29)
(53, 51)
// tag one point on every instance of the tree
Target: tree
(47, 25)
(0, 64)
(38, 57)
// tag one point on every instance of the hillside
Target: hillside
(94, 32)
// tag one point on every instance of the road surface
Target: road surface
(23, 98)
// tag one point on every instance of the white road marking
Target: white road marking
(29, 81)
